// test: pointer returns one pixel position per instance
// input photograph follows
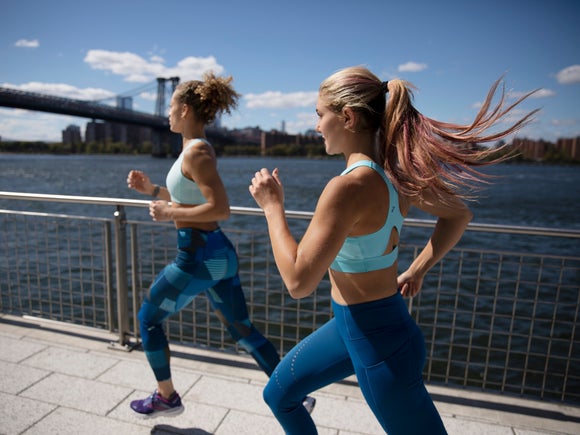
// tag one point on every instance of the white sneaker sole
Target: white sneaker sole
(173, 412)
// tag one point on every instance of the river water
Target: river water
(523, 194)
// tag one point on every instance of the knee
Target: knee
(280, 400)
(149, 326)
(272, 397)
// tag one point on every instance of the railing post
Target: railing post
(121, 274)
(109, 277)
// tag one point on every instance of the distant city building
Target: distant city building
(273, 138)
(125, 103)
(283, 127)
(540, 149)
(248, 135)
(104, 132)
(72, 135)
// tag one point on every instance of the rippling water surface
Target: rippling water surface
(523, 194)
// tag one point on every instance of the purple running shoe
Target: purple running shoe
(155, 405)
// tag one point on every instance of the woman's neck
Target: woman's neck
(193, 130)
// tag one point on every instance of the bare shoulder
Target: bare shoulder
(199, 153)
(343, 185)
(199, 149)
(343, 193)
(199, 159)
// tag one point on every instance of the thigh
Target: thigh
(228, 300)
(172, 290)
(318, 360)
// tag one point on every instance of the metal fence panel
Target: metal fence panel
(493, 319)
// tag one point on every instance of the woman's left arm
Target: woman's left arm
(452, 220)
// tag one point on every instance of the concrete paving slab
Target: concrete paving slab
(242, 423)
(234, 394)
(20, 413)
(15, 350)
(74, 362)
(77, 393)
(457, 426)
(139, 376)
(64, 421)
(351, 415)
(15, 378)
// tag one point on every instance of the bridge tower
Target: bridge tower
(174, 83)
(160, 104)
(174, 142)
(161, 88)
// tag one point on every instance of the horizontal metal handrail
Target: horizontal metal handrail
(292, 214)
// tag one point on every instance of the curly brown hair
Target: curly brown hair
(208, 97)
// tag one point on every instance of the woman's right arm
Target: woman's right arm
(303, 265)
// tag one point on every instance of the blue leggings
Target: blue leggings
(206, 261)
(380, 343)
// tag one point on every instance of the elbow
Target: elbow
(222, 213)
(299, 290)
(225, 214)
(297, 293)
(468, 216)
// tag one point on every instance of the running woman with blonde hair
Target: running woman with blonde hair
(395, 158)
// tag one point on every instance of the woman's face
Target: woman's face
(330, 126)
(175, 112)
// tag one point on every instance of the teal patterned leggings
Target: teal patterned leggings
(205, 262)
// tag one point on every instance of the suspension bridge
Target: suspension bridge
(98, 110)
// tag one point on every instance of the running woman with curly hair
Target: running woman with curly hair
(195, 200)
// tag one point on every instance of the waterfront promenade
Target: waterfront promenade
(62, 379)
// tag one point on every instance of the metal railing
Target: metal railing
(494, 320)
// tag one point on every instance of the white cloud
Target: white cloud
(19, 124)
(27, 43)
(304, 121)
(565, 122)
(279, 100)
(412, 67)
(62, 90)
(569, 75)
(157, 59)
(540, 93)
(134, 68)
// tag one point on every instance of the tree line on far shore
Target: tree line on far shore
(315, 150)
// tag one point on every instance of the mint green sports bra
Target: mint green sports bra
(182, 189)
(365, 253)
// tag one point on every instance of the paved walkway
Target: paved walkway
(61, 379)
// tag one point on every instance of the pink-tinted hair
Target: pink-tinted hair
(418, 152)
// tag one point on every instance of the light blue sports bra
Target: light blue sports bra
(365, 253)
(182, 189)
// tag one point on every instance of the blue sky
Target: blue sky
(279, 51)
